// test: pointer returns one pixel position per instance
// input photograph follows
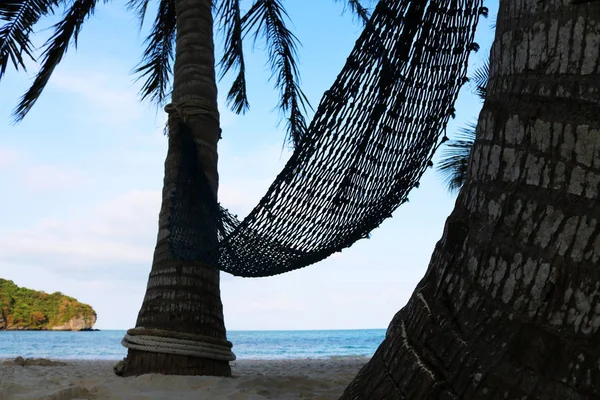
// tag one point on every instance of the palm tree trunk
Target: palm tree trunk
(510, 305)
(184, 296)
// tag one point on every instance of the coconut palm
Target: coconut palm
(455, 155)
(509, 307)
(182, 300)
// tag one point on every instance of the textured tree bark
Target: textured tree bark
(510, 305)
(185, 296)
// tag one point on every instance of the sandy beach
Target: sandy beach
(318, 379)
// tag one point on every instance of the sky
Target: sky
(81, 179)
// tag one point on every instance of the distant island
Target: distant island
(26, 309)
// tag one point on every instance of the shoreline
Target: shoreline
(286, 379)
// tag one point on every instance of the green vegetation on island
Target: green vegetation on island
(27, 309)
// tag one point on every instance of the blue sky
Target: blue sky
(82, 174)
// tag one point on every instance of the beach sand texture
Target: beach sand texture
(317, 379)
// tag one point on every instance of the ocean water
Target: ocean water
(246, 344)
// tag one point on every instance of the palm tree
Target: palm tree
(182, 302)
(510, 305)
(455, 155)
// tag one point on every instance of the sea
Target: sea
(106, 344)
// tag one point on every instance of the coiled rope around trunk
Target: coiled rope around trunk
(370, 141)
(161, 341)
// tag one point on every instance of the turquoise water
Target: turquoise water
(246, 344)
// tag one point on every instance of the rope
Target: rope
(184, 344)
(179, 112)
(188, 108)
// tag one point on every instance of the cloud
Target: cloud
(8, 158)
(296, 301)
(132, 215)
(281, 302)
(36, 177)
(118, 233)
(109, 98)
(112, 97)
(119, 230)
(39, 245)
(41, 178)
(245, 177)
(240, 196)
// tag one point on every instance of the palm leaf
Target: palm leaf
(480, 78)
(229, 17)
(139, 7)
(357, 8)
(20, 17)
(55, 48)
(156, 65)
(455, 158)
(453, 167)
(266, 19)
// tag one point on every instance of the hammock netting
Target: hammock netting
(371, 139)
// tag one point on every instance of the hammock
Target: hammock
(371, 139)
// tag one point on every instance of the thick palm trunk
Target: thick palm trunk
(184, 296)
(510, 305)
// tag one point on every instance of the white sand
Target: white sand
(253, 379)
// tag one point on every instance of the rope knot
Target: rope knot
(173, 110)
(188, 108)
(182, 110)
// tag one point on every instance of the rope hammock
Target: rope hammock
(371, 139)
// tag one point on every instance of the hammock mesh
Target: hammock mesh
(371, 139)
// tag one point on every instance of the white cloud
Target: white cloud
(281, 302)
(122, 229)
(296, 301)
(240, 196)
(132, 215)
(244, 179)
(113, 98)
(42, 245)
(110, 99)
(41, 178)
(118, 233)
(36, 177)
(8, 158)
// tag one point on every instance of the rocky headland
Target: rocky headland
(27, 309)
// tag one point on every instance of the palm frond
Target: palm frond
(357, 8)
(230, 20)
(20, 17)
(455, 158)
(480, 79)
(157, 60)
(266, 19)
(139, 7)
(55, 48)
